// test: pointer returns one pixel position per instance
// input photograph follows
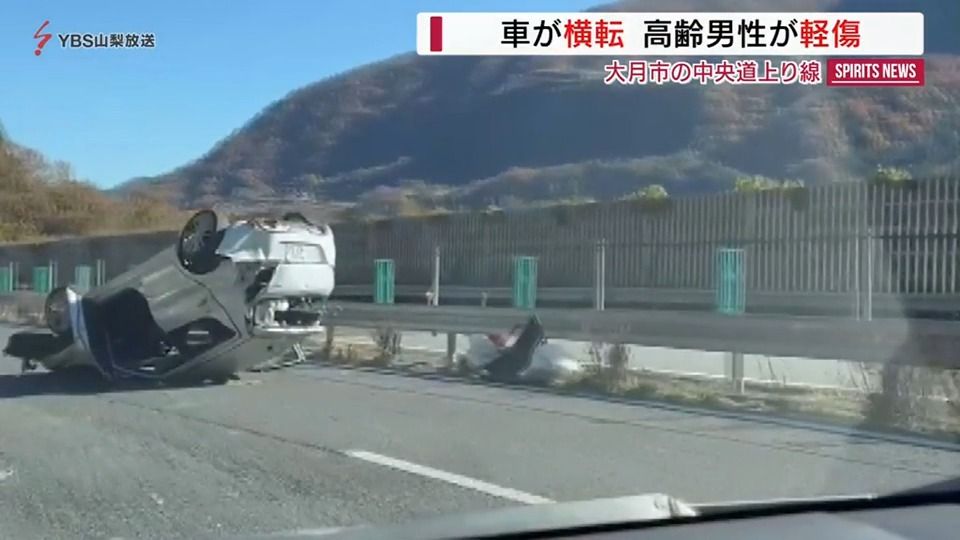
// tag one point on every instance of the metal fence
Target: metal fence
(822, 239)
(82, 262)
(826, 239)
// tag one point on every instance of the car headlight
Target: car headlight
(56, 311)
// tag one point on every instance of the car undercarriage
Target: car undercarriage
(227, 296)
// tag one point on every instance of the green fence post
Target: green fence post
(525, 282)
(81, 277)
(731, 282)
(6, 280)
(732, 300)
(41, 279)
(101, 272)
(383, 281)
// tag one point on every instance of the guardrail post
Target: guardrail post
(328, 340)
(483, 299)
(600, 276)
(451, 348)
(736, 371)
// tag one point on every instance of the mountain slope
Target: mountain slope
(471, 131)
(39, 199)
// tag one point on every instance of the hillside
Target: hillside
(474, 131)
(39, 199)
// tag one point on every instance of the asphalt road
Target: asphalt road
(315, 447)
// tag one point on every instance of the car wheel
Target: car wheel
(296, 216)
(198, 242)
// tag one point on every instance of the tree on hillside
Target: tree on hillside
(145, 210)
(890, 175)
(40, 199)
(653, 192)
(389, 202)
(751, 184)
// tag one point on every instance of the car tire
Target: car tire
(198, 242)
(298, 217)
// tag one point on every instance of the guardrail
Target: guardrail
(900, 341)
(838, 304)
(917, 342)
(906, 341)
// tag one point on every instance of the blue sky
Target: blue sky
(115, 114)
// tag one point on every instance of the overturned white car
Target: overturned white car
(226, 297)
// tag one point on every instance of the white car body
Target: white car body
(303, 258)
(227, 297)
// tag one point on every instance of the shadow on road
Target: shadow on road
(72, 382)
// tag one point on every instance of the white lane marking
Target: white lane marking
(450, 478)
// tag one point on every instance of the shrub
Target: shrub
(653, 192)
(387, 341)
(39, 199)
(891, 176)
(618, 359)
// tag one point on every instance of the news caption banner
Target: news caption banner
(887, 47)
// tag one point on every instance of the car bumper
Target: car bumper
(285, 331)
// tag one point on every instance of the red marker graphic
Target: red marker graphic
(44, 38)
(436, 34)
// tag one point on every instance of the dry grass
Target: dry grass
(717, 393)
(608, 376)
(933, 417)
(353, 354)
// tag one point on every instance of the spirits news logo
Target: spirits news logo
(100, 40)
